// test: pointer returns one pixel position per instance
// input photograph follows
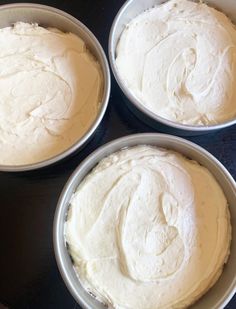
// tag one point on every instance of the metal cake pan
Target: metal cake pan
(47, 16)
(221, 293)
(128, 11)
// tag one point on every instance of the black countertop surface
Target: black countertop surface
(29, 277)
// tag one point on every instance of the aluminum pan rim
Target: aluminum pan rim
(107, 88)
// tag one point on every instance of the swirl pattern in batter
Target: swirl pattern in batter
(50, 92)
(179, 60)
(145, 233)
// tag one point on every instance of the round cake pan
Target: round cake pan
(128, 11)
(47, 16)
(218, 296)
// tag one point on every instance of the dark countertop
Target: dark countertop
(29, 277)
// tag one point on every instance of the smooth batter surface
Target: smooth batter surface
(50, 90)
(179, 60)
(145, 233)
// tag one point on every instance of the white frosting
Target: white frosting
(179, 60)
(50, 89)
(144, 232)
